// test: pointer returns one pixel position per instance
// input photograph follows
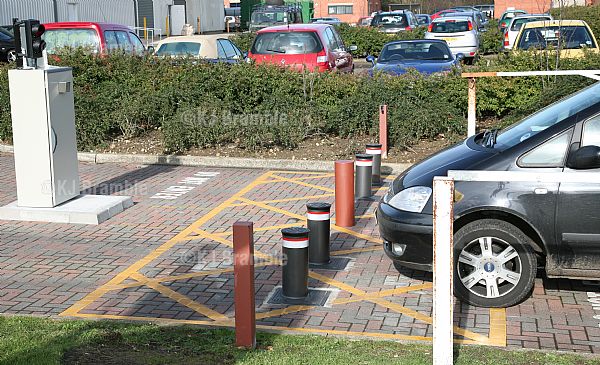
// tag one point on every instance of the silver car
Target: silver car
(459, 32)
(514, 26)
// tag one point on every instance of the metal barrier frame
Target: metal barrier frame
(472, 76)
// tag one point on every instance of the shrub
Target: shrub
(5, 120)
(491, 39)
(243, 40)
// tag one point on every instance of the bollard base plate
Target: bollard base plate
(315, 297)
(334, 264)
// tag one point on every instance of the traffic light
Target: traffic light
(35, 45)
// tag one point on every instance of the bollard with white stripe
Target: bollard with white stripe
(364, 176)
(295, 266)
(318, 222)
(375, 150)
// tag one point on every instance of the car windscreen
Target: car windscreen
(415, 51)
(286, 43)
(450, 26)
(268, 17)
(566, 37)
(423, 19)
(179, 49)
(549, 116)
(71, 37)
(5, 36)
(390, 21)
(518, 23)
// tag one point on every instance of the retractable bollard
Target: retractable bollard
(375, 150)
(364, 176)
(295, 267)
(344, 193)
(318, 217)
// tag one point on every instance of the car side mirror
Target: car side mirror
(371, 59)
(353, 48)
(460, 57)
(150, 50)
(587, 157)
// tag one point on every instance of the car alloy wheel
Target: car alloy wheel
(494, 264)
(11, 56)
(489, 267)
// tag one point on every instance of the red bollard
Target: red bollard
(383, 140)
(245, 311)
(344, 193)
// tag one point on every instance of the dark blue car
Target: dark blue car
(427, 56)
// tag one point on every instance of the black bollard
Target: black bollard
(364, 176)
(374, 149)
(295, 265)
(318, 218)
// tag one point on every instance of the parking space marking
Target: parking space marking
(497, 331)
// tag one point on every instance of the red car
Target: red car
(439, 13)
(100, 38)
(315, 47)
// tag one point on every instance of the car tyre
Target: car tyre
(494, 264)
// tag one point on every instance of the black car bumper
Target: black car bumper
(407, 237)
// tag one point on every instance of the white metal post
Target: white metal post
(472, 112)
(443, 262)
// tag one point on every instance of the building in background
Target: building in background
(348, 11)
(536, 6)
(203, 15)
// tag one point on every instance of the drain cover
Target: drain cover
(315, 297)
(335, 264)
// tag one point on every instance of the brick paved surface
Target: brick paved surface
(170, 261)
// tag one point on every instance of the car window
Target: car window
(565, 37)
(390, 21)
(338, 39)
(330, 39)
(179, 49)
(518, 23)
(549, 116)
(286, 43)
(123, 40)
(415, 51)
(138, 46)
(450, 26)
(549, 154)
(5, 36)
(591, 132)
(110, 38)
(228, 49)
(71, 37)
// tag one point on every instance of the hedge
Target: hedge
(254, 107)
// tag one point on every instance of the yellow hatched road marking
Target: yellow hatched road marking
(135, 267)
(498, 326)
(181, 299)
(355, 250)
(318, 187)
(383, 293)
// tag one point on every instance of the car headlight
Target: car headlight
(412, 199)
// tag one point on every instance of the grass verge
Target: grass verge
(27, 340)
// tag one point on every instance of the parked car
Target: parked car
(316, 47)
(488, 10)
(476, 16)
(7, 28)
(212, 48)
(434, 16)
(515, 24)
(424, 20)
(459, 32)
(7, 47)
(329, 20)
(425, 56)
(100, 38)
(395, 21)
(503, 231)
(365, 21)
(507, 16)
(570, 37)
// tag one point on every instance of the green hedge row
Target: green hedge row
(200, 105)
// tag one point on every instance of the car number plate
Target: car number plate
(450, 39)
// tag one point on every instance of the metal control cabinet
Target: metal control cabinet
(43, 121)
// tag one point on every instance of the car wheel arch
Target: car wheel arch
(539, 246)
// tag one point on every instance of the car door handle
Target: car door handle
(540, 191)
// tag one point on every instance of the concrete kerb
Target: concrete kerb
(230, 162)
